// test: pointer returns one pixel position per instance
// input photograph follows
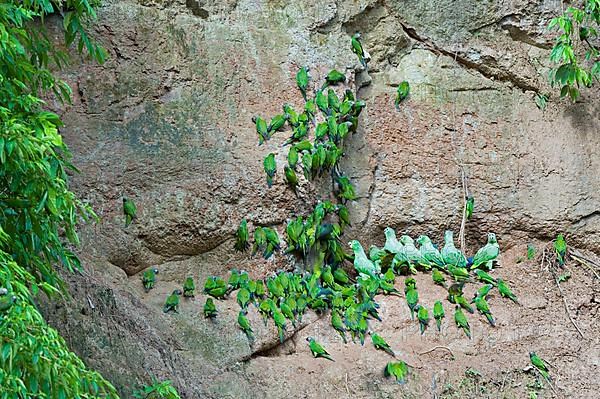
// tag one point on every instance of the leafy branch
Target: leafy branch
(578, 58)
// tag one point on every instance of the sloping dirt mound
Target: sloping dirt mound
(490, 365)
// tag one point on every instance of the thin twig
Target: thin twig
(580, 255)
(586, 264)
(463, 223)
(347, 389)
(437, 347)
(547, 380)
(562, 295)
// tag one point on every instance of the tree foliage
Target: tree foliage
(575, 50)
(38, 212)
(158, 390)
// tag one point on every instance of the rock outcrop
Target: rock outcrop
(167, 122)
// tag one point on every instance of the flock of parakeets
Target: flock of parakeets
(284, 297)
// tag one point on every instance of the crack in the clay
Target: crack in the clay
(485, 70)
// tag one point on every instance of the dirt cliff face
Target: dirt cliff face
(167, 122)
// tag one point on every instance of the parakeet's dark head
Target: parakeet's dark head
(309, 339)
(389, 232)
(155, 270)
(177, 292)
(124, 199)
(421, 240)
(254, 119)
(492, 238)
(356, 35)
(532, 354)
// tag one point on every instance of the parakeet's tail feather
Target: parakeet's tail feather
(438, 322)
(363, 62)
(390, 351)
(281, 337)
(269, 181)
(128, 220)
(490, 320)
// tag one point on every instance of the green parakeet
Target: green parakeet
(560, 247)
(189, 287)
(304, 145)
(261, 129)
(338, 325)
(341, 276)
(357, 49)
(333, 78)
(391, 242)
(270, 168)
(292, 157)
(438, 278)
(279, 320)
(530, 251)
(243, 297)
(244, 325)
(438, 314)
(210, 310)
(345, 189)
(322, 102)
(381, 344)
(216, 287)
(333, 101)
(482, 292)
(344, 215)
(486, 254)
(321, 131)
(410, 284)
(172, 302)
(539, 364)
(423, 316)
(402, 93)
(458, 273)
(461, 321)
(290, 177)
(484, 308)
(412, 254)
(129, 210)
(318, 350)
(302, 79)
(287, 311)
(462, 301)
(450, 254)
(485, 277)
(412, 298)
(362, 264)
(398, 370)
(241, 237)
(149, 279)
(505, 291)
(430, 256)
(277, 122)
(469, 206)
(389, 276)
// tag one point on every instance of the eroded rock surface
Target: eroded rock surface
(167, 122)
